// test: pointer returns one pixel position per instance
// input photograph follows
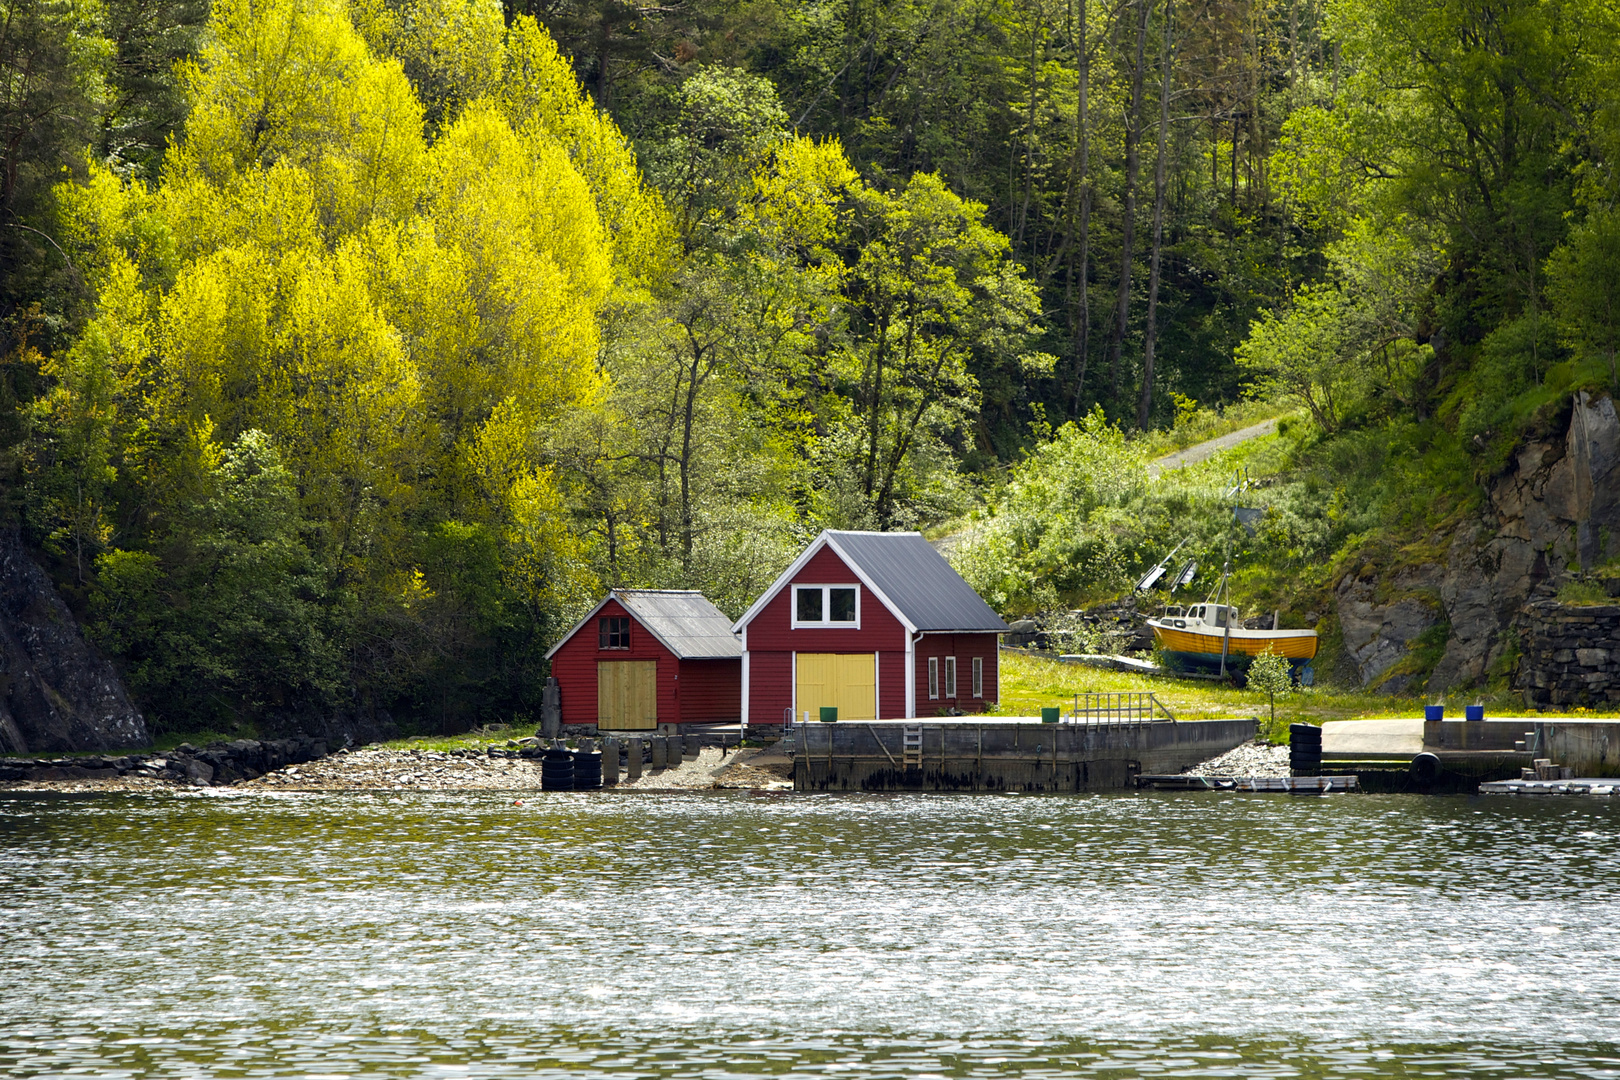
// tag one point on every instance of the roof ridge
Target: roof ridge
(665, 592)
(873, 532)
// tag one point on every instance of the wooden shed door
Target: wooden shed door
(627, 694)
(846, 680)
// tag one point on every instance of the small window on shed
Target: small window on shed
(950, 676)
(809, 604)
(978, 676)
(613, 633)
(843, 604)
(933, 677)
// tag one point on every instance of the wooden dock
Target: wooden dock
(1291, 785)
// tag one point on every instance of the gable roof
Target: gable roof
(682, 620)
(903, 571)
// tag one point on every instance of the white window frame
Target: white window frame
(825, 623)
(950, 677)
(978, 677)
(933, 678)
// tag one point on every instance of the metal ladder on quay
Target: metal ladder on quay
(911, 747)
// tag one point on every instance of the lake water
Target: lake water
(721, 935)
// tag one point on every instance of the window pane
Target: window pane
(978, 676)
(843, 605)
(809, 605)
(950, 676)
(933, 676)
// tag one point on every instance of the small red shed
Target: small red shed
(646, 658)
(877, 625)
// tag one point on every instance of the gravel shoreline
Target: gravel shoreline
(378, 769)
(1251, 759)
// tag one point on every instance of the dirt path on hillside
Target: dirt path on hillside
(1205, 450)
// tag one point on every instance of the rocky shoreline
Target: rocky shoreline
(306, 765)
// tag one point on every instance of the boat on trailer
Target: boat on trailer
(1209, 637)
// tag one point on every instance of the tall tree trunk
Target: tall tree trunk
(1080, 321)
(1144, 407)
(687, 423)
(1029, 132)
(1133, 162)
(875, 423)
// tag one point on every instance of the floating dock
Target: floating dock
(1579, 786)
(1292, 785)
(994, 754)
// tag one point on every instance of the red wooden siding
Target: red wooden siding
(770, 685)
(711, 691)
(891, 685)
(772, 629)
(772, 641)
(574, 667)
(964, 647)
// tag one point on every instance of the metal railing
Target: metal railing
(1124, 707)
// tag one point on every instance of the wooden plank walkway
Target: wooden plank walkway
(1292, 785)
(1580, 786)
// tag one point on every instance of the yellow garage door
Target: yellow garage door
(846, 680)
(627, 694)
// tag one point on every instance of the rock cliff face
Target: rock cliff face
(57, 693)
(1557, 508)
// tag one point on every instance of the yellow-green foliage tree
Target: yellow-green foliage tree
(393, 270)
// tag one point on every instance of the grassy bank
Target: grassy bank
(1029, 682)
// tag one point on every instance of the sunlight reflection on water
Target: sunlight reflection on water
(1121, 935)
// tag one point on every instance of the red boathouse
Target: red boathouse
(876, 625)
(647, 658)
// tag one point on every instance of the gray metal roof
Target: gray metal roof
(915, 578)
(687, 624)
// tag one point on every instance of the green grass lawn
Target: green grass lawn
(1029, 682)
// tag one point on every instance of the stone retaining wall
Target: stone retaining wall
(1571, 654)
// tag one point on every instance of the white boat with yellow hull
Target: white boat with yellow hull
(1208, 638)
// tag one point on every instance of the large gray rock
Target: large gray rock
(1380, 626)
(1555, 509)
(56, 691)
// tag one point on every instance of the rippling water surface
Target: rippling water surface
(721, 935)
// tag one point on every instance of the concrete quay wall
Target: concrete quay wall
(997, 755)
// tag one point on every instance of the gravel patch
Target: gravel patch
(428, 770)
(708, 771)
(1250, 759)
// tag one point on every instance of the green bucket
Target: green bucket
(829, 714)
(1049, 716)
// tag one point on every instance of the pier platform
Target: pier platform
(1587, 785)
(1459, 755)
(1292, 785)
(993, 754)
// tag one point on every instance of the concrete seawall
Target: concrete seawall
(996, 754)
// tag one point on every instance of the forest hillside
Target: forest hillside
(351, 349)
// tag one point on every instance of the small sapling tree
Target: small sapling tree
(1270, 674)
